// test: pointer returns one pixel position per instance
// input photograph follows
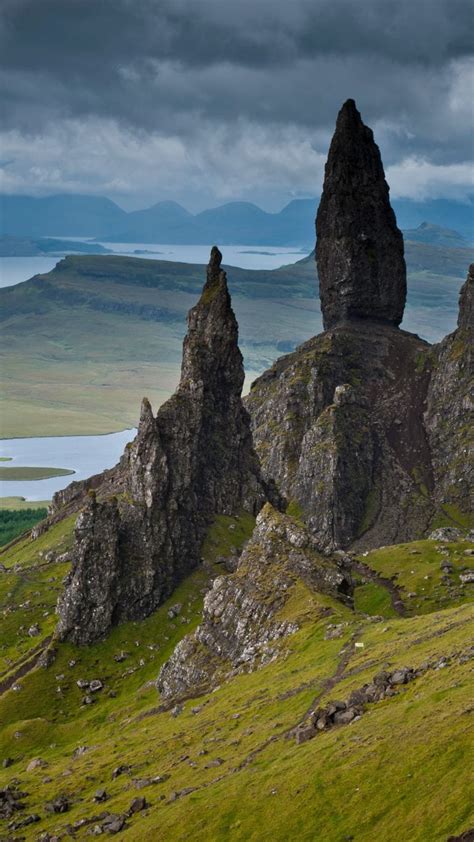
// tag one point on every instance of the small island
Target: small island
(27, 473)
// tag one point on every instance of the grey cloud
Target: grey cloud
(179, 68)
(250, 32)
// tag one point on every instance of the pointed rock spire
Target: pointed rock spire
(194, 461)
(211, 355)
(146, 415)
(466, 302)
(359, 249)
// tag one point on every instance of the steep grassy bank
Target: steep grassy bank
(225, 764)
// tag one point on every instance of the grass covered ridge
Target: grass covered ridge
(245, 779)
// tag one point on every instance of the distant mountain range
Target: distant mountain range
(235, 223)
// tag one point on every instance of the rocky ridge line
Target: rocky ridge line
(243, 620)
(193, 461)
(367, 428)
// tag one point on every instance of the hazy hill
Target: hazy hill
(61, 216)
(231, 223)
(170, 218)
(435, 235)
(26, 247)
(444, 212)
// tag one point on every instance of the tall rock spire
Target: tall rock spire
(449, 413)
(466, 303)
(211, 355)
(193, 461)
(359, 249)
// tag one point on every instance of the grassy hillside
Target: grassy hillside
(81, 345)
(226, 764)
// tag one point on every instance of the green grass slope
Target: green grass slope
(226, 766)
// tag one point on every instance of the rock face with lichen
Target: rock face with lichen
(243, 624)
(366, 428)
(359, 249)
(191, 462)
(449, 415)
(338, 425)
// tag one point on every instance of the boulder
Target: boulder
(343, 717)
(304, 734)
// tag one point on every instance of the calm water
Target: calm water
(247, 257)
(14, 270)
(86, 455)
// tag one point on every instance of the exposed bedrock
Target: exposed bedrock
(191, 462)
(450, 409)
(359, 249)
(338, 424)
(367, 429)
(243, 624)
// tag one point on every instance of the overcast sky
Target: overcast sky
(207, 101)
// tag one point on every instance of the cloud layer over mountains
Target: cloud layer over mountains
(208, 100)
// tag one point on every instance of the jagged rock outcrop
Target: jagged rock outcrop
(338, 424)
(366, 427)
(191, 462)
(449, 414)
(91, 596)
(466, 308)
(359, 249)
(244, 618)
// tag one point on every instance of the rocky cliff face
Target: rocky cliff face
(365, 427)
(339, 425)
(243, 624)
(191, 462)
(359, 249)
(364, 430)
(449, 415)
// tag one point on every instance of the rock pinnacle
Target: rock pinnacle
(359, 250)
(466, 302)
(191, 462)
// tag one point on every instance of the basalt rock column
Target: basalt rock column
(449, 416)
(191, 462)
(466, 306)
(359, 249)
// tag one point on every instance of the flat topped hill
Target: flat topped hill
(82, 344)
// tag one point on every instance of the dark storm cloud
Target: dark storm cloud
(251, 33)
(95, 53)
(184, 67)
